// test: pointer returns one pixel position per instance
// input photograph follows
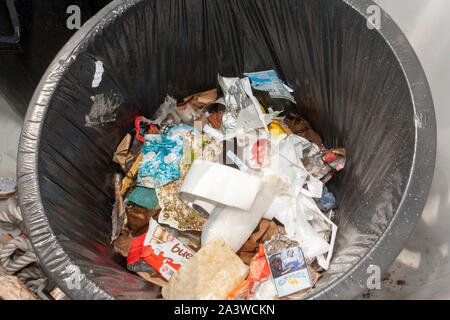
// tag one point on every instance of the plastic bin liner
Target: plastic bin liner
(361, 88)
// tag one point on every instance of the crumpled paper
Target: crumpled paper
(122, 244)
(138, 218)
(121, 155)
(199, 100)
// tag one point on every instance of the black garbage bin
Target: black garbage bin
(362, 88)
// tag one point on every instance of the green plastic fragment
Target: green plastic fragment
(144, 197)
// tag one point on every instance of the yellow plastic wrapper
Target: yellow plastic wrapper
(127, 182)
(211, 274)
(276, 129)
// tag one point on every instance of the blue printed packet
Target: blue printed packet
(270, 82)
(161, 161)
(289, 271)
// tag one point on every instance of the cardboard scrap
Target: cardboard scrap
(122, 244)
(200, 100)
(263, 233)
(138, 218)
(302, 128)
(121, 154)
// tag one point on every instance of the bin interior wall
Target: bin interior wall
(347, 82)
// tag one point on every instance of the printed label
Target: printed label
(289, 271)
(163, 252)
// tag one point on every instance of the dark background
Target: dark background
(43, 33)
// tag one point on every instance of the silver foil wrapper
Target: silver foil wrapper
(235, 100)
(278, 243)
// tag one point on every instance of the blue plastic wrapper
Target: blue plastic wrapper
(161, 161)
(268, 81)
(327, 202)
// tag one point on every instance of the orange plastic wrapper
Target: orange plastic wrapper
(216, 120)
(259, 271)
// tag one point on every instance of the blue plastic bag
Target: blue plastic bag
(327, 202)
(161, 161)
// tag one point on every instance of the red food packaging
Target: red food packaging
(162, 251)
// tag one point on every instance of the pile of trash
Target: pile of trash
(223, 196)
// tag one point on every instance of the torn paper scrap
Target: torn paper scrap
(121, 154)
(98, 74)
(103, 110)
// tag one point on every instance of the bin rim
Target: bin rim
(351, 284)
